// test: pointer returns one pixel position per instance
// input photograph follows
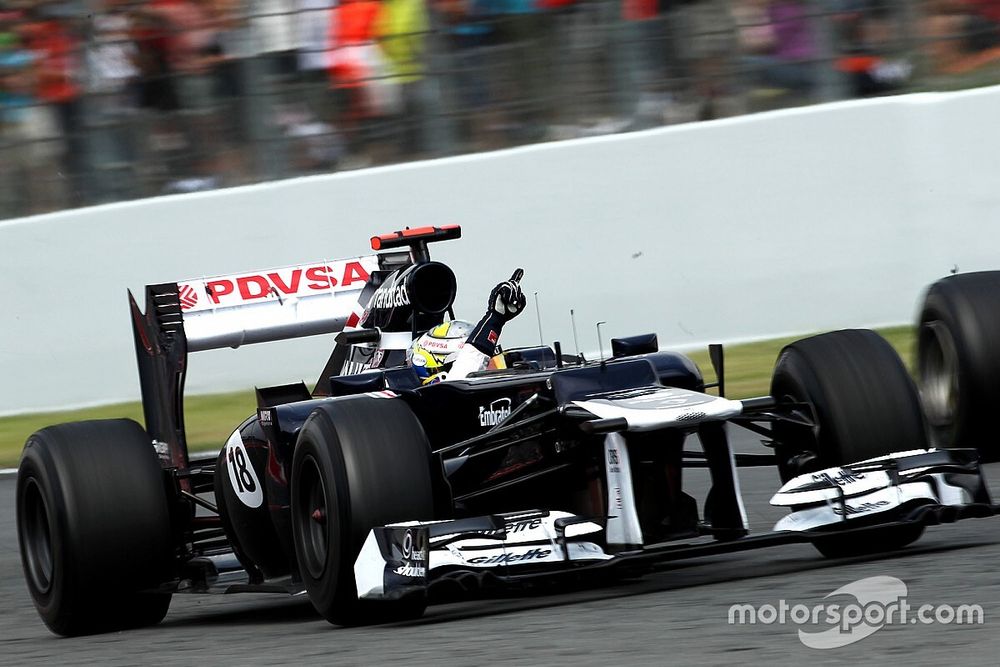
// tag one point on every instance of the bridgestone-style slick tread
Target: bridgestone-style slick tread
(865, 405)
(367, 462)
(967, 306)
(94, 527)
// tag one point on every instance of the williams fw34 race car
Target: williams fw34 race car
(374, 493)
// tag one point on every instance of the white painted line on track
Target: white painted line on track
(8, 471)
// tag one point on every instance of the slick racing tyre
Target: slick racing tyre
(859, 392)
(856, 388)
(93, 526)
(958, 360)
(359, 462)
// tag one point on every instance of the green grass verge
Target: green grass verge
(210, 419)
(748, 367)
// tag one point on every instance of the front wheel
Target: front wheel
(93, 527)
(359, 462)
(864, 405)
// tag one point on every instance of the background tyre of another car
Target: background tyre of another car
(958, 360)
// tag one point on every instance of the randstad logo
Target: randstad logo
(855, 611)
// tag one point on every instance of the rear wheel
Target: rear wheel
(958, 360)
(864, 404)
(93, 527)
(360, 462)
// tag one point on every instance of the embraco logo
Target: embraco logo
(495, 412)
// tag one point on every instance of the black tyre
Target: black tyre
(958, 360)
(864, 401)
(865, 405)
(93, 526)
(359, 462)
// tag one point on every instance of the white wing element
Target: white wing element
(274, 304)
(369, 569)
(876, 502)
(651, 408)
(530, 539)
(828, 485)
(834, 495)
(623, 518)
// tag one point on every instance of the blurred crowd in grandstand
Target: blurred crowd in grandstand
(103, 100)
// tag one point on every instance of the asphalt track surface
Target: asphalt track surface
(675, 616)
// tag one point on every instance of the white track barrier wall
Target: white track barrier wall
(793, 221)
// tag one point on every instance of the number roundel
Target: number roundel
(241, 473)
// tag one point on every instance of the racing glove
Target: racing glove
(506, 299)
(505, 303)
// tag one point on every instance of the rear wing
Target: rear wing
(254, 307)
(288, 302)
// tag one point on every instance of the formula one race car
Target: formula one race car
(373, 491)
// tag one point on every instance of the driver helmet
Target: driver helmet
(432, 354)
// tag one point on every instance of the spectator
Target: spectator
(982, 24)
(57, 70)
(313, 37)
(527, 51)
(707, 42)
(193, 50)
(795, 45)
(113, 58)
(469, 35)
(359, 70)
(555, 31)
(641, 52)
(401, 27)
(26, 133)
(754, 28)
(301, 108)
(276, 71)
(975, 22)
(866, 35)
(233, 80)
(113, 55)
(193, 45)
(782, 53)
(151, 34)
(274, 31)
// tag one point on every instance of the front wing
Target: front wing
(919, 487)
(880, 489)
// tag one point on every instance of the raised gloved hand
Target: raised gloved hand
(507, 300)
